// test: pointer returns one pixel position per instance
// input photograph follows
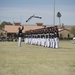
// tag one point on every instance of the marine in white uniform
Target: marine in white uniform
(20, 35)
(56, 37)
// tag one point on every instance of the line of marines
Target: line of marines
(46, 37)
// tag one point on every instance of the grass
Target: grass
(37, 60)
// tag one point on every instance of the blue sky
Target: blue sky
(21, 10)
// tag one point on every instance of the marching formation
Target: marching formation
(46, 37)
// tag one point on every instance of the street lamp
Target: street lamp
(54, 14)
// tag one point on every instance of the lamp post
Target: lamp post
(54, 14)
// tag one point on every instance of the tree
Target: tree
(59, 15)
(73, 30)
(4, 23)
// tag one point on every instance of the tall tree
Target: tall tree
(4, 23)
(59, 15)
(73, 30)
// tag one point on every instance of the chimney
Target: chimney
(17, 23)
(39, 24)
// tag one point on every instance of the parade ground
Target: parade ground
(37, 60)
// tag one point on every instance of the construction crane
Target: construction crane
(33, 16)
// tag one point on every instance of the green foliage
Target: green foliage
(4, 23)
(73, 30)
(58, 14)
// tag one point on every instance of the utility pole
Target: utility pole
(54, 14)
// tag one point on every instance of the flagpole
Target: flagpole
(54, 14)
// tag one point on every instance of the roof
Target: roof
(62, 29)
(14, 29)
(17, 23)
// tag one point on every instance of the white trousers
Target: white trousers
(53, 42)
(19, 41)
(56, 42)
(47, 42)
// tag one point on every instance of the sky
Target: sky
(21, 10)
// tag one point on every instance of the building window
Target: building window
(68, 35)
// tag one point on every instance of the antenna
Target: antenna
(21, 19)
